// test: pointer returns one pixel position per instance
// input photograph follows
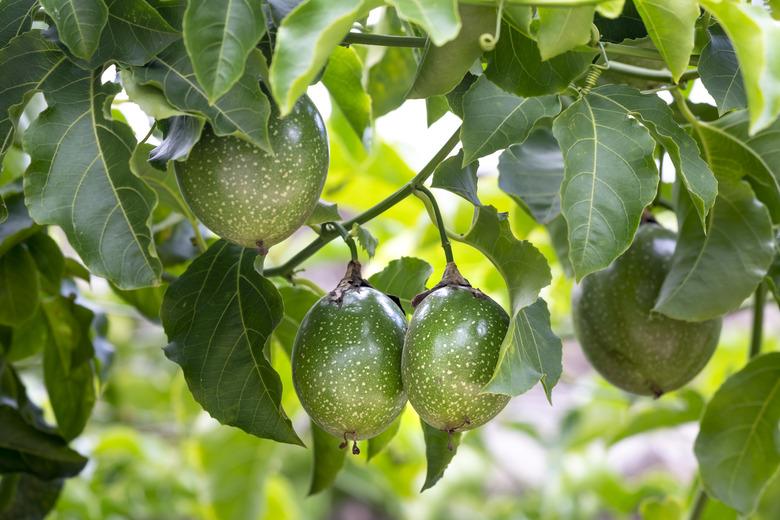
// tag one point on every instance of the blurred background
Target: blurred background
(596, 453)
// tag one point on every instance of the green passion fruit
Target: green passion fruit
(634, 348)
(346, 360)
(451, 351)
(253, 198)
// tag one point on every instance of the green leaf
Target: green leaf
(435, 108)
(440, 447)
(67, 364)
(79, 23)
(755, 36)
(516, 66)
(305, 39)
(737, 442)
(146, 300)
(80, 179)
(530, 353)
(28, 337)
(244, 111)
(3, 210)
(49, 261)
(656, 116)
(366, 240)
(681, 407)
(610, 177)
(734, 154)
(381, 441)
(713, 273)
(18, 226)
(626, 26)
(344, 80)
(324, 212)
(671, 25)
(666, 508)
(24, 65)
(531, 173)
(404, 277)
(494, 119)
(134, 34)
(218, 316)
(17, 18)
(181, 133)
(439, 18)
(298, 299)
(562, 29)
(773, 276)
(328, 459)
(442, 68)
(32, 497)
(162, 182)
(150, 98)
(219, 37)
(720, 74)
(461, 180)
(18, 286)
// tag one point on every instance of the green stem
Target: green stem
(445, 241)
(758, 320)
(699, 504)
(682, 104)
(200, 243)
(652, 74)
(384, 40)
(347, 239)
(287, 268)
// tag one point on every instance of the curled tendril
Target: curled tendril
(488, 41)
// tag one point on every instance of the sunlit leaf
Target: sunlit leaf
(404, 277)
(343, 79)
(79, 23)
(381, 441)
(440, 447)
(720, 74)
(562, 29)
(328, 458)
(324, 212)
(439, 18)
(366, 240)
(671, 24)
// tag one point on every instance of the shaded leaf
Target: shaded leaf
(439, 18)
(18, 286)
(671, 25)
(218, 316)
(719, 71)
(626, 26)
(714, 273)
(530, 353)
(146, 300)
(404, 277)
(435, 108)
(324, 212)
(773, 276)
(380, 442)
(461, 180)
(17, 18)
(80, 179)
(531, 173)
(28, 337)
(79, 23)
(219, 37)
(298, 299)
(440, 447)
(343, 78)
(494, 119)
(737, 442)
(328, 459)
(49, 261)
(33, 498)
(18, 225)
(562, 29)
(610, 177)
(305, 39)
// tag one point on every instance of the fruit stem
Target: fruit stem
(347, 239)
(404, 191)
(758, 320)
(682, 104)
(445, 241)
(699, 504)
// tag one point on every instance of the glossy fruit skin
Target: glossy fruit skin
(346, 363)
(635, 349)
(451, 350)
(246, 195)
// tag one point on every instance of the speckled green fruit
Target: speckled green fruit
(451, 351)
(638, 350)
(248, 196)
(346, 363)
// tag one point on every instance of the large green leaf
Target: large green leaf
(440, 447)
(404, 277)
(79, 23)
(610, 177)
(218, 316)
(531, 173)
(244, 111)
(134, 34)
(219, 37)
(516, 66)
(18, 286)
(562, 29)
(755, 36)
(343, 78)
(328, 458)
(714, 272)
(48, 259)
(530, 353)
(453, 176)
(17, 18)
(656, 116)
(67, 364)
(304, 41)
(24, 64)
(671, 25)
(80, 179)
(720, 74)
(494, 119)
(734, 154)
(737, 443)
(439, 18)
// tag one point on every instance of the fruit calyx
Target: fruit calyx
(450, 278)
(345, 443)
(351, 281)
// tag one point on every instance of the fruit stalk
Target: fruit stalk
(445, 241)
(347, 239)
(287, 268)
